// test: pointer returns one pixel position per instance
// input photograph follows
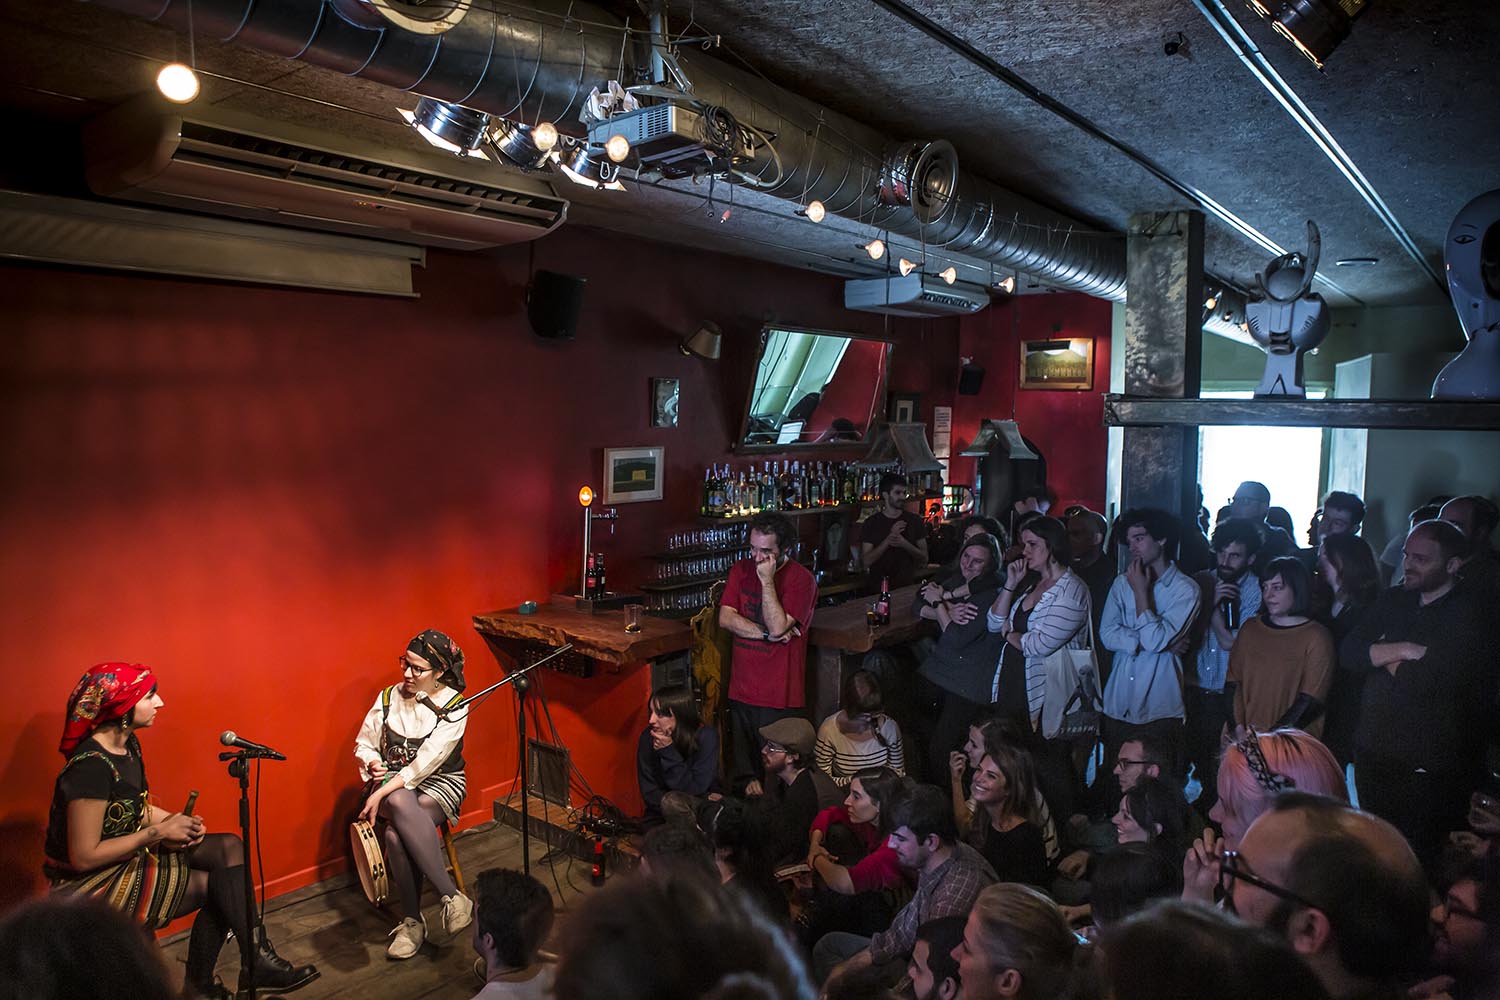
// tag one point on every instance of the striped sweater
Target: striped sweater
(840, 757)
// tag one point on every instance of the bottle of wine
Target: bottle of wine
(708, 491)
(600, 589)
(883, 603)
(590, 577)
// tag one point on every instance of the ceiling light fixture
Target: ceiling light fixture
(1212, 302)
(949, 274)
(177, 83)
(591, 167)
(452, 128)
(617, 148)
(517, 143)
(705, 342)
(1007, 284)
(814, 211)
(875, 248)
(1316, 27)
(907, 266)
(545, 136)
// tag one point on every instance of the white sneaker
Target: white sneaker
(408, 937)
(458, 913)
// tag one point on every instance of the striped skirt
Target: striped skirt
(148, 886)
(447, 790)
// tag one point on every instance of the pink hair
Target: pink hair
(1290, 753)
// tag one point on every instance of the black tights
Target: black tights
(413, 848)
(216, 889)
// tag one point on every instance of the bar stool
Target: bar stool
(458, 876)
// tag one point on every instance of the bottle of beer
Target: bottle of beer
(599, 587)
(883, 602)
(590, 577)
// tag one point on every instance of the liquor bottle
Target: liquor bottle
(814, 488)
(708, 489)
(600, 589)
(851, 494)
(768, 498)
(883, 603)
(590, 577)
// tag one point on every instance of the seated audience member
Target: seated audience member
(962, 660)
(997, 727)
(1342, 887)
(1427, 654)
(950, 876)
(1346, 564)
(1153, 812)
(850, 853)
(681, 939)
(1393, 556)
(1466, 924)
(1005, 829)
(1017, 944)
(795, 791)
(1138, 759)
(677, 752)
(1185, 951)
(513, 916)
(740, 854)
(1252, 772)
(76, 948)
(859, 735)
(1230, 592)
(933, 970)
(1281, 665)
(677, 850)
(1126, 880)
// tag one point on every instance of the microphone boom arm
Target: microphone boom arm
(514, 676)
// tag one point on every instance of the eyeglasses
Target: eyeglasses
(773, 748)
(404, 664)
(1127, 762)
(1454, 908)
(1235, 867)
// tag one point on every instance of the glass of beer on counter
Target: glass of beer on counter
(633, 617)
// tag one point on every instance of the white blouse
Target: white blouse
(411, 719)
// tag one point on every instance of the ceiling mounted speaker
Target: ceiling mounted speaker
(552, 304)
(970, 378)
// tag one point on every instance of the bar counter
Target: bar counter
(599, 636)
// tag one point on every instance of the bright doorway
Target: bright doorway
(1289, 460)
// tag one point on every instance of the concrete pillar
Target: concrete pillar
(1163, 354)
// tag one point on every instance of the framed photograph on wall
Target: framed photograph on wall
(664, 402)
(905, 407)
(632, 475)
(1057, 364)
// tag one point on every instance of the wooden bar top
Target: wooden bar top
(846, 627)
(601, 636)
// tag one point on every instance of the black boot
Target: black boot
(272, 972)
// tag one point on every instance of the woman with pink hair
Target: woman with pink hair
(1252, 771)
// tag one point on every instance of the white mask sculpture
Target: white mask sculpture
(1286, 318)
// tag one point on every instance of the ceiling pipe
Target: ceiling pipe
(540, 65)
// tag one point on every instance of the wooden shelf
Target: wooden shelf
(1392, 414)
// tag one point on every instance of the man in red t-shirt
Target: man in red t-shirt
(767, 607)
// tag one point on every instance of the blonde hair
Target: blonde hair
(1021, 929)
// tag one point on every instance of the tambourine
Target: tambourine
(369, 862)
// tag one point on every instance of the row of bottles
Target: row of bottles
(788, 485)
(593, 578)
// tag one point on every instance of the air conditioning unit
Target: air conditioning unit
(221, 163)
(915, 295)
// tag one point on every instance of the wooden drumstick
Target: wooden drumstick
(187, 810)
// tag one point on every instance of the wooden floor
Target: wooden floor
(333, 926)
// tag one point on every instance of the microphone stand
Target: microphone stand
(522, 685)
(239, 767)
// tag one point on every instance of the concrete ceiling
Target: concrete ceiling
(1411, 95)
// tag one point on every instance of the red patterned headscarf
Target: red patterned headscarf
(108, 691)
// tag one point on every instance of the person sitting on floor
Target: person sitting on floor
(677, 752)
(851, 855)
(1006, 831)
(795, 791)
(513, 915)
(860, 735)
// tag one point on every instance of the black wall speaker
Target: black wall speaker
(552, 304)
(970, 378)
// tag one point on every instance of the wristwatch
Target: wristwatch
(765, 635)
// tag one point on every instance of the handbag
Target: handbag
(1080, 715)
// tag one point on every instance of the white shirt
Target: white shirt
(412, 720)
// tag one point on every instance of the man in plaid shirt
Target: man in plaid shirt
(950, 877)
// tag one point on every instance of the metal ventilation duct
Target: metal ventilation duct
(541, 64)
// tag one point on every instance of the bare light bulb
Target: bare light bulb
(1212, 303)
(814, 211)
(905, 267)
(545, 136)
(618, 147)
(1007, 284)
(876, 249)
(177, 83)
(585, 496)
(948, 274)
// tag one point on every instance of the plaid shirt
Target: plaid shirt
(947, 891)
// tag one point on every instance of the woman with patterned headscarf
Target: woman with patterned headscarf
(106, 839)
(412, 759)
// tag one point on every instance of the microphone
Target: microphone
(428, 704)
(229, 739)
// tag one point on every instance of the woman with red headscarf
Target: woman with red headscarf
(105, 838)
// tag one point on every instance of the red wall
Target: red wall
(1068, 426)
(263, 493)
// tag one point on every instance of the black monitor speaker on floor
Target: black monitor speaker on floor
(552, 304)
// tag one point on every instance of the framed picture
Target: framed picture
(632, 475)
(906, 407)
(1057, 364)
(664, 402)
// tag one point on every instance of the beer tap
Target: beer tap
(586, 500)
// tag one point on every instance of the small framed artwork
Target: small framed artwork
(1057, 364)
(632, 475)
(664, 402)
(905, 407)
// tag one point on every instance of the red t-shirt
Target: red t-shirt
(770, 674)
